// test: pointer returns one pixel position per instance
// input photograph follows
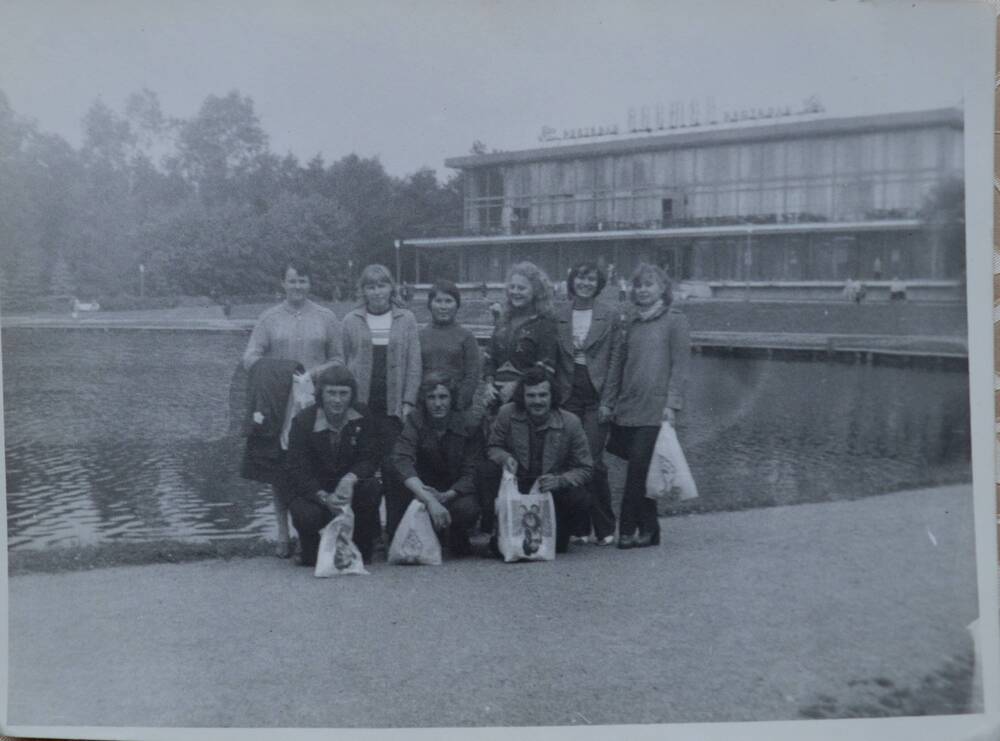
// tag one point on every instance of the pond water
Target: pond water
(126, 435)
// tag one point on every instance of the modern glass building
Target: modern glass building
(817, 200)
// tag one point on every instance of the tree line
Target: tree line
(202, 204)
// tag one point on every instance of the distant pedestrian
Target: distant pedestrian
(897, 289)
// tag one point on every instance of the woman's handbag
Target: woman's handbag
(526, 523)
(415, 541)
(337, 553)
(619, 441)
(668, 468)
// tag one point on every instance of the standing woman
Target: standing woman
(589, 343)
(382, 351)
(524, 336)
(647, 383)
(448, 347)
(525, 333)
(300, 330)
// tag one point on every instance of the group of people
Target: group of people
(402, 412)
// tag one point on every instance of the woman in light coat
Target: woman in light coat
(648, 380)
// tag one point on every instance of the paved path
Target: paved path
(739, 616)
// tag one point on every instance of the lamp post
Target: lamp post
(142, 280)
(399, 278)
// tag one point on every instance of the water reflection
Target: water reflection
(134, 435)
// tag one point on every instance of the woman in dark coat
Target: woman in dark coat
(434, 460)
(647, 382)
(525, 333)
(589, 343)
(525, 336)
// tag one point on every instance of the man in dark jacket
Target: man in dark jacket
(537, 441)
(434, 460)
(332, 458)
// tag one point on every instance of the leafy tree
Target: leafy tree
(224, 141)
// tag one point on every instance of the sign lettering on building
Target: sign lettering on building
(681, 114)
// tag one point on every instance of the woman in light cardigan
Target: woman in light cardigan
(382, 349)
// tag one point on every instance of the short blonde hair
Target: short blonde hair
(648, 270)
(376, 273)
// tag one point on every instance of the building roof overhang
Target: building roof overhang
(740, 230)
(951, 117)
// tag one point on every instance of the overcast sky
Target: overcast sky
(416, 82)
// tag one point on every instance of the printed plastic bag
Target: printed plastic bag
(526, 523)
(337, 553)
(668, 469)
(302, 396)
(415, 541)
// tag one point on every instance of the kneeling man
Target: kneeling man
(332, 458)
(537, 441)
(434, 460)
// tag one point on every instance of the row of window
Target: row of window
(823, 200)
(862, 256)
(876, 154)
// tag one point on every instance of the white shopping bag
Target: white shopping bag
(415, 541)
(526, 523)
(303, 394)
(337, 553)
(668, 469)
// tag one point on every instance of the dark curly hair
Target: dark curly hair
(532, 377)
(582, 269)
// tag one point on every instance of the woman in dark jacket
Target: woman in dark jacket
(525, 333)
(525, 336)
(332, 457)
(647, 382)
(434, 460)
(589, 342)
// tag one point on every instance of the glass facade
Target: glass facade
(850, 177)
(815, 185)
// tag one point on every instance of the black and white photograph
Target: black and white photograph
(525, 366)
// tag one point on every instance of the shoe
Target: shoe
(626, 541)
(606, 540)
(283, 549)
(645, 540)
(579, 539)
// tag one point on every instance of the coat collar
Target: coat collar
(321, 425)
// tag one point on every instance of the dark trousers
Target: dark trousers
(309, 517)
(638, 510)
(600, 514)
(571, 504)
(464, 511)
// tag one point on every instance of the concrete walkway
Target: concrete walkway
(756, 615)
